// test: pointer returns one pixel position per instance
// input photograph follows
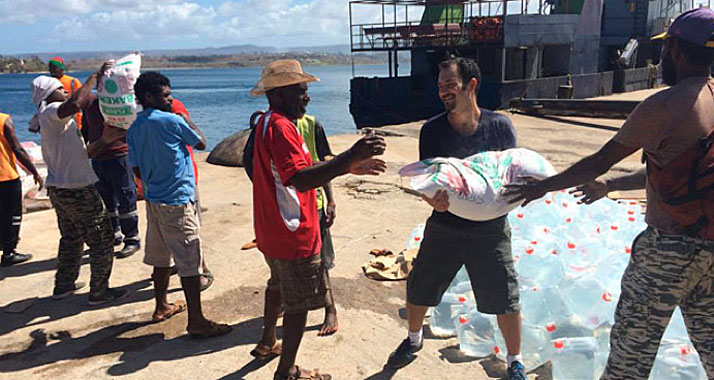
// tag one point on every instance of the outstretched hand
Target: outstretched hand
(367, 147)
(371, 166)
(590, 192)
(440, 201)
(527, 190)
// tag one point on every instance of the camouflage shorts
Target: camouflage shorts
(665, 271)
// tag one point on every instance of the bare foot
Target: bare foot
(168, 311)
(330, 325)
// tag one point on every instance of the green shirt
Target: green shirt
(314, 136)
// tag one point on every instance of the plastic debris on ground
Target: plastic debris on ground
(570, 259)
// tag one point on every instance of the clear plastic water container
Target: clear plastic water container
(574, 358)
(477, 334)
(443, 316)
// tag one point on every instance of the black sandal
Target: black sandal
(209, 280)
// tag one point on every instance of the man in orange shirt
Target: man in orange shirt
(11, 191)
(71, 84)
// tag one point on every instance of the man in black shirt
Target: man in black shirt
(450, 241)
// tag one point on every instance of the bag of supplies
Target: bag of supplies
(116, 92)
(476, 184)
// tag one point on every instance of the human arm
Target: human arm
(583, 171)
(201, 144)
(20, 153)
(645, 128)
(80, 99)
(592, 191)
(330, 211)
(356, 160)
(109, 135)
(137, 172)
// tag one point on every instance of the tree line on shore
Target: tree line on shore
(13, 65)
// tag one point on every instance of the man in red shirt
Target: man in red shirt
(287, 227)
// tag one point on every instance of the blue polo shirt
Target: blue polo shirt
(157, 146)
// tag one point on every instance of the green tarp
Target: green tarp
(443, 14)
(568, 6)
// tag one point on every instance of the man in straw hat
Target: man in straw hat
(285, 214)
(81, 215)
(672, 264)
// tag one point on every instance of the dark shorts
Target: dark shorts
(301, 283)
(485, 250)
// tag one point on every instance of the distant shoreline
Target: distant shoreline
(203, 67)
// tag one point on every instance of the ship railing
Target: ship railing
(481, 20)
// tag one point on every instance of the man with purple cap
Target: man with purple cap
(672, 264)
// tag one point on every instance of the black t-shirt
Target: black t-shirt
(495, 132)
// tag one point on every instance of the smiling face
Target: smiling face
(452, 90)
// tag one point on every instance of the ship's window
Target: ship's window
(556, 60)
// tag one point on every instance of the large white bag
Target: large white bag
(116, 92)
(476, 183)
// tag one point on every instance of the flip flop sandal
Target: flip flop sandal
(304, 375)
(216, 330)
(249, 245)
(176, 307)
(265, 352)
(209, 277)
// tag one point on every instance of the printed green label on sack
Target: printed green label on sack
(121, 100)
(116, 111)
(111, 86)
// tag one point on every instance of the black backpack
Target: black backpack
(250, 145)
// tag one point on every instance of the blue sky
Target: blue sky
(28, 26)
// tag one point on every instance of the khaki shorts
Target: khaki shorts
(172, 235)
(301, 282)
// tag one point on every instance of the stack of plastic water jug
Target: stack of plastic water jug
(570, 259)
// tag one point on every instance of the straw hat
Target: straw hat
(281, 74)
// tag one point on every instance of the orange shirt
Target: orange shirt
(72, 85)
(8, 168)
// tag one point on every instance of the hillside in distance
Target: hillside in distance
(227, 56)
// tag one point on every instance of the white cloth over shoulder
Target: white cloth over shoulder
(476, 184)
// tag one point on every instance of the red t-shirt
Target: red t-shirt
(285, 220)
(178, 107)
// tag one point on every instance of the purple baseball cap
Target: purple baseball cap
(695, 26)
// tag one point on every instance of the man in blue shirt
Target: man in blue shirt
(157, 152)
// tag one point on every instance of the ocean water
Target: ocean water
(219, 100)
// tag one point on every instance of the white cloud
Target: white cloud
(163, 21)
(33, 11)
(311, 22)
